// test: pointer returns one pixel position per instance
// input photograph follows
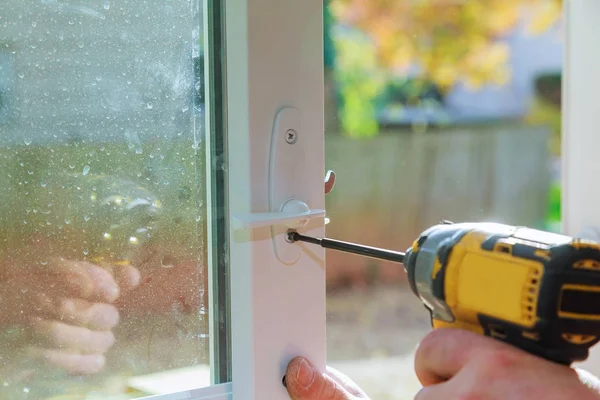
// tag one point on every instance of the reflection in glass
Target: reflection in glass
(102, 219)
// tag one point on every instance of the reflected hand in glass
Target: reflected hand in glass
(61, 283)
(65, 313)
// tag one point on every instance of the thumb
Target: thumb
(304, 382)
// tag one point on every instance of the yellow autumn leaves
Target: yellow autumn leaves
(446, 39)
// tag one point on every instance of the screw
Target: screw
(291, 136)
(289, 236)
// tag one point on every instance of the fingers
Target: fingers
(66, 278)
(303, 382)
(345, 382)
(71, 363)
(101, 284)
(434, 392)
(77, 279)
(127, 277)
(444, 352)
(57, 335)
(95, 316)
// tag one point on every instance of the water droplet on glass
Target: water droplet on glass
(184, 109)
(86, 252)
(198, 218)
(26, 390)
(21, 75)
(133, 141)
(27, 141)
(150, 106)
(197, 86)
(98, 78)
(71, 166)
(67, 221)
(86, 218)
(44, 262)
(43, 184)
(86, 170)
(34, 24)
(106, 5)
(71, 22)
(80, 45)
(24, 290)
(202, 310)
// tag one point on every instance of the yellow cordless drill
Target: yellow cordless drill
(536, 290)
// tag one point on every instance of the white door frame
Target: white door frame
(274, 60)
(581, 120)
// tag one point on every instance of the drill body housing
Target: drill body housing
(536, 290)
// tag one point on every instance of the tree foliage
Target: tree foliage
(447, 39)
(438, 41)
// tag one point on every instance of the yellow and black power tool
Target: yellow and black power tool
(536, 290)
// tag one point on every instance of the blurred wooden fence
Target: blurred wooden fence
(394, 186)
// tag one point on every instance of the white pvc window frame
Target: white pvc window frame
(581, 120)
(273, 59)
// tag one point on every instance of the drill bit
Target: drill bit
(367, 251)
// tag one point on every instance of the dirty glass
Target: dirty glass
(103, 220)
(422, 127)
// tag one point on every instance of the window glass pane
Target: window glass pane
(103, 234)
(422, 127)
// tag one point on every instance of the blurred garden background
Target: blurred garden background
(435, 110)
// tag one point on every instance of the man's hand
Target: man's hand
(304, 382)
(65, 311)
(456, 364)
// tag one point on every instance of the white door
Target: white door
(146, 162)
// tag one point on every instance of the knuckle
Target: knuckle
(434, 343)
(502, 359)
(101, 316)
(55, 334)
(111, 316)
(66, 309)
(100, 341)
(430, 343)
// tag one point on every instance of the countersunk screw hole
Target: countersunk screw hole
(289, 236)
(291, 136)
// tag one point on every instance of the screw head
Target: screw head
(291, 136)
